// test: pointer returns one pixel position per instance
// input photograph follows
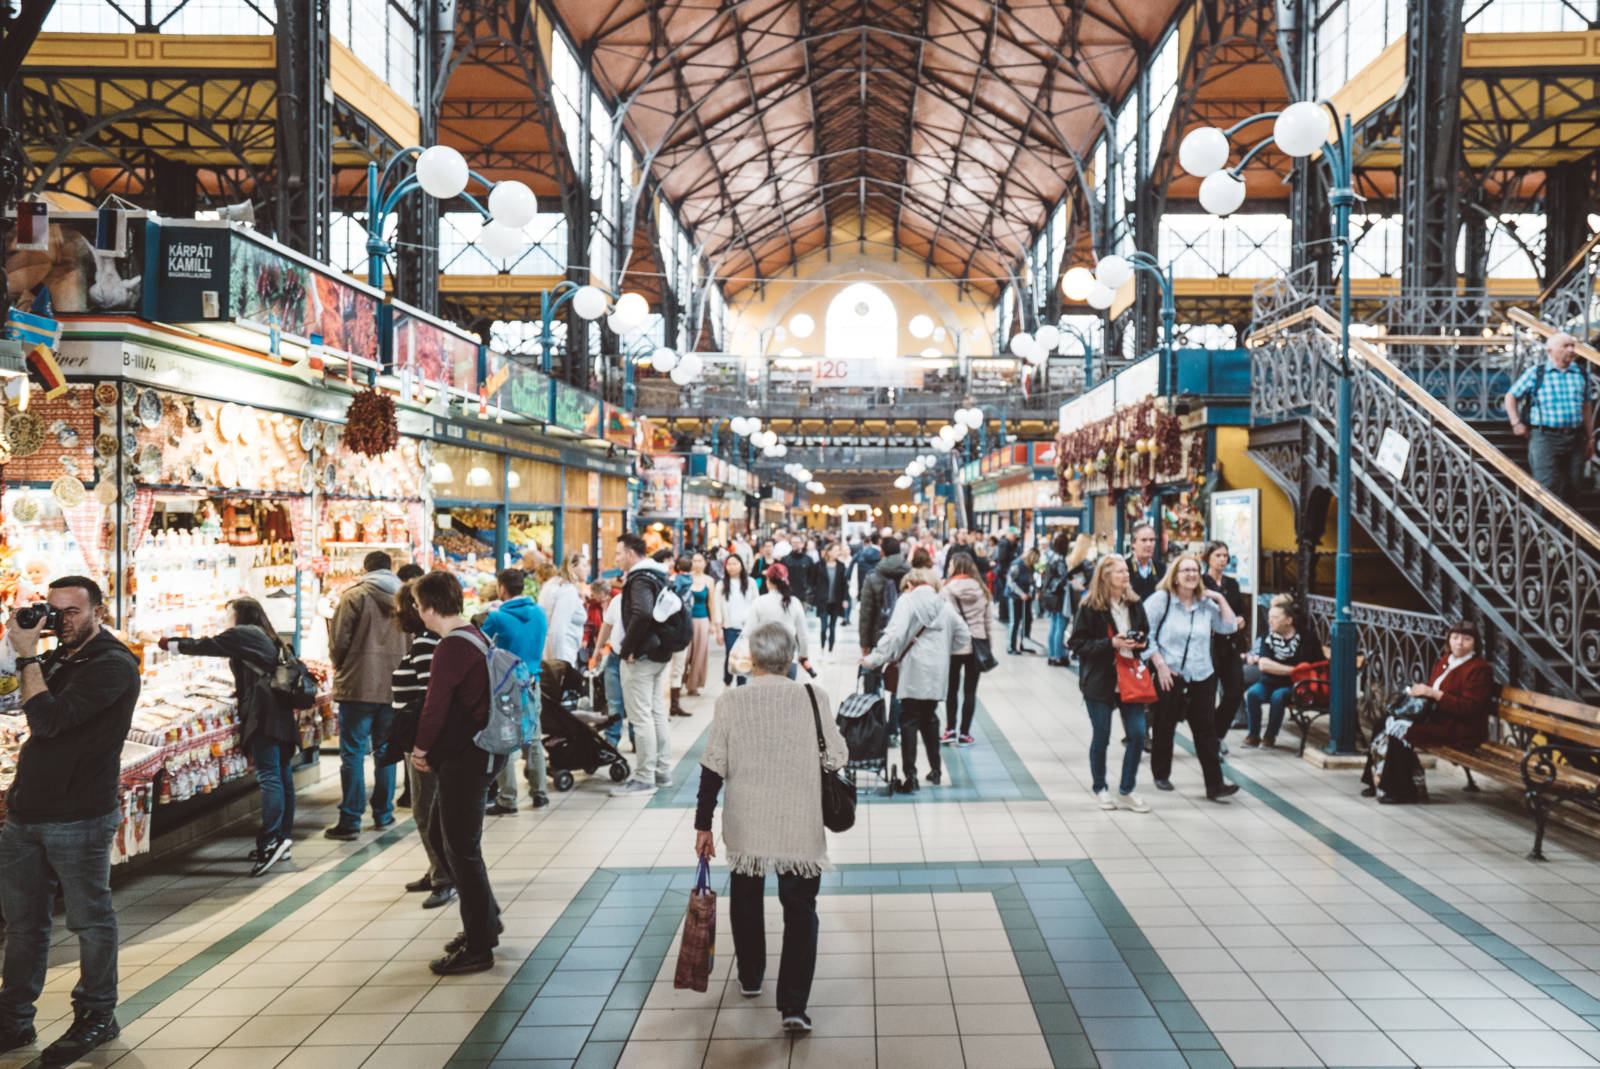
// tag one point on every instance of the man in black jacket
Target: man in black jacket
(1144, 573)
(643, 665)
(1004, 554)
(63, 815)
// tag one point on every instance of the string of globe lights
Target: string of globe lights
(767, 441)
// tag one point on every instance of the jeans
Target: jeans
(457, 830)
(963, 673)
(1197, 704)
(647, 715)
(918, 715)
(1275, 693)
(798, 895)
(1057, 644)
(1021, 621)
(275, 777)
(1556, 457)
(730, 635)
(830, 626)
(614, 703)
(425, 811)
(364, 726)
(1133, 725)
(36, 859)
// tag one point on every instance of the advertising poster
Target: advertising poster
(1236, 520)
(576, 410)
(273, 290)
(662, 489)
(80, 277)
(433, 354)
(527, 393)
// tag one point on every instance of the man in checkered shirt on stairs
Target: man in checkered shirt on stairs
(1559, 422)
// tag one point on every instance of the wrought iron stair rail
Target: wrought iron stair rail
(1462, 521)
(1534, 324)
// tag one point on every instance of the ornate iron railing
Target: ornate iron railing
(1465, 524)
(1398, 647)
(1383, 303)
(1573, 304)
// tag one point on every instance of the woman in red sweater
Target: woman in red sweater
(1454, 711)
(455, 710)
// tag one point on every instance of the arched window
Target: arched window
(862, 322)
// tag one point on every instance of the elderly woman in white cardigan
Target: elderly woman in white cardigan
(764, 747)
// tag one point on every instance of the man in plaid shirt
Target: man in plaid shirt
(1559, 424)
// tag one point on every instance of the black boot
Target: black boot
(89, 1030)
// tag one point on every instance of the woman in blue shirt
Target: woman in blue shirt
(1183, 616)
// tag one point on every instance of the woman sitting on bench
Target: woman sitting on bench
(1452, 709)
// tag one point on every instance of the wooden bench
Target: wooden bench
(1552, 753)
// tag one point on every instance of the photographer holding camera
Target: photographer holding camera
(1108, 631)
(63, 813)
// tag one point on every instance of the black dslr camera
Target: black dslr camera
(28, 617)
(1138, 637)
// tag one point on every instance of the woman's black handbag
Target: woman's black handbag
(983, 653)
(838, 793)
(1406, 707)
(292, 683)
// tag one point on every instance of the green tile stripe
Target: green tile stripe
(964, 787)
(178, 977)
(1546, 979)
(598, 1041)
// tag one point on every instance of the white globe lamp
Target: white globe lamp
(960, 430)
(1077, 283)
(442, 172)
(942, 445)
(778, 450)
(589, 302)
(1301, 129)
(920, 326)
(1113, 271)
(1101, 297)
(629, 313)
(1020, 343)
(947, 433)
(694, 363)
(802, 326)
(664, 360)
(770, 451)
(1203, 151)
(680, 375)
(1047, 336)
(512, 203)
(974, 418)
(498, 241)
(1221, 193)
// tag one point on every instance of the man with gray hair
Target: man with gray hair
(1559, 423)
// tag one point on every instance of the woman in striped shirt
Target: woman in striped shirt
(410, 683)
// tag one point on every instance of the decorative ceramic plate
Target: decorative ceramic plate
(130, 493)
(26, 509)
(329, 474)
(106, 393)
(150, 460)
(67, 437)
(69, 465)
(106, 445)
(105, 492)
(130, 446)
(308, 434)
(228, 421)
(249, 426)
(26, 431)
(330, 435)
(308, 478)
(247, 471)
(150, 408)
(69, 491)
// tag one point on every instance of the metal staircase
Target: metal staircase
(1463, 520)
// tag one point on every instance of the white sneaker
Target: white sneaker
(633, 788)
(1135, 803)
(1105, 799)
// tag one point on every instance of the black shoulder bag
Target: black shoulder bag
(838, 793)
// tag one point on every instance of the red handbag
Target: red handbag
(1135, 684)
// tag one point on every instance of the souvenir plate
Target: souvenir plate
(130, 446)
(105, 393)
(308, 434)
(329, 474)
(228, 421)
(150, 408)
(247, 471)
(330, 435)
(105, 492)
(69, 465)
(67, 437)
(26, 431)
(106, 445)
(308, 478)
(130, 493)
(227, 473)
(150, 461)
(26, 509)
(249, 426)
(69, 491)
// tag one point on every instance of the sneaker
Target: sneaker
(632, 789)
(441, 896)
(540, 801)
(796, 1023)
(383, 825)
(273, 853)
(424, 884)
(344, 835)
(1163, 785)
(1105, 799)
(966, 740)
(1251, 742)
(461, 962)
(13, 1037)
(460, 939)
(663, 780)
(88, 1031)
(750, 990)
(1223, 791)
(288, 852)
(498, 810)
(947, 738)
(1133, 802)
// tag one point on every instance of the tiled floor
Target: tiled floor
(1000, 920)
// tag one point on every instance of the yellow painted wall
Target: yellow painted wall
(816, 280)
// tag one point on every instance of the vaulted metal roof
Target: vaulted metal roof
(944, 128)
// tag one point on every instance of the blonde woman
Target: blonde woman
(1110, 623)
(1184, 615)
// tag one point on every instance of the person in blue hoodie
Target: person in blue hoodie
(519, 625)
(865, 561)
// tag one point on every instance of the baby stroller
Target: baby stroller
(570, 745)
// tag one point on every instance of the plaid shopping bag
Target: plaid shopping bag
(699, 935)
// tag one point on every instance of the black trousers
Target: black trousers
(1195, 703)
(457, 834)
(1230, 682)
(918, 716)
(798, 895)
(963, 675)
